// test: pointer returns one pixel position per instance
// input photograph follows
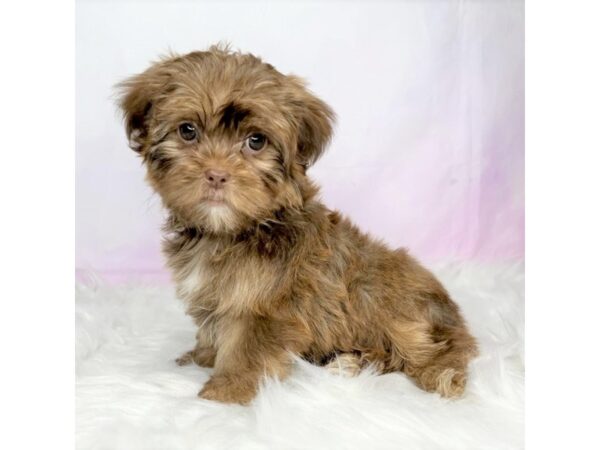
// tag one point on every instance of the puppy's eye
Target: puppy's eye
(256, 142)
(187, 131)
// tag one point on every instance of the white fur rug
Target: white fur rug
(131, 394)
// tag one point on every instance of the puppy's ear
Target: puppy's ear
(137, 95)
(315, 119)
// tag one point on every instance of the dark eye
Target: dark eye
(187, 131)
(256, 142)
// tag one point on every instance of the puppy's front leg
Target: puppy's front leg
(249, 349)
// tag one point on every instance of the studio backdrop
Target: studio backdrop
(428, 144)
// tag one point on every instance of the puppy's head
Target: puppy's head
(226, 138)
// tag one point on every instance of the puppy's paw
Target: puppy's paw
(203, 357)
(344, 364)
(185, 359)
(228, 390)
(451, 383)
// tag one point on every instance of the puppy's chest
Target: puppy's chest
(221, 281)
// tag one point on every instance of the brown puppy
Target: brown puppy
(265, 269)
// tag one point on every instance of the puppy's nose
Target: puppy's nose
(216, 178)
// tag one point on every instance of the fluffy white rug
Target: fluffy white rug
(131, 394)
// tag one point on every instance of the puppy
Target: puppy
(265, 269)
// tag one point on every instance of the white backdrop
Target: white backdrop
(428, 149)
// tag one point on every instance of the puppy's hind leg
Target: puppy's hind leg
(446, 372)
(437, 360)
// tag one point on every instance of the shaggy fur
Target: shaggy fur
(265, 269)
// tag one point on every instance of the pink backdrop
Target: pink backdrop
(428, 151)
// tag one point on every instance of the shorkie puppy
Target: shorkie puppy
(265, 269)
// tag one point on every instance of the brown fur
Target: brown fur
(266, 270)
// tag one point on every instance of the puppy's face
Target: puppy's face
(225, 137)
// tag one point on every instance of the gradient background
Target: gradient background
(428, 147)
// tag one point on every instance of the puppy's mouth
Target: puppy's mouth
(215, 197)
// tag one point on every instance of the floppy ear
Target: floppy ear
(315, 119)
(137, 95)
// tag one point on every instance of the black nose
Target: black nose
(216, 178)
